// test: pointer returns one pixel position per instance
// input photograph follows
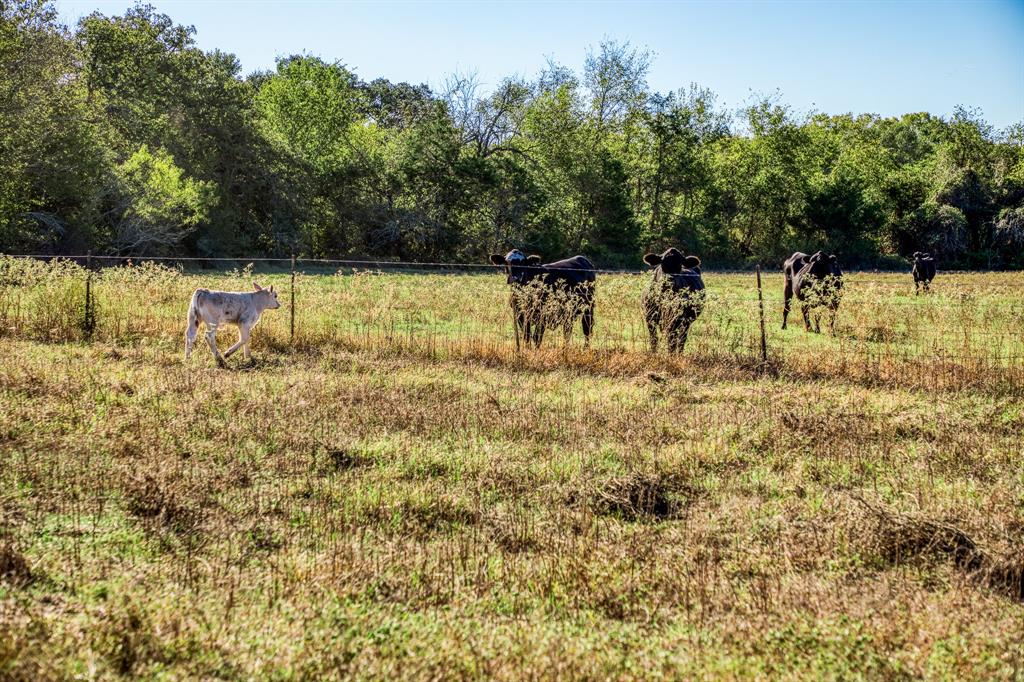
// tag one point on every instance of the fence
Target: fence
(971, 325)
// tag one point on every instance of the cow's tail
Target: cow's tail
(192, 325)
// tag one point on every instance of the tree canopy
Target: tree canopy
(120, 135)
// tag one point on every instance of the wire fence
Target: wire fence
(969, 322)
(862, 276)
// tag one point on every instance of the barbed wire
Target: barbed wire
(853, 277)
(925, 341)
(343, 262)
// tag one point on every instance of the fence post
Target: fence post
(89, 318)
(291, 338)
(760, 307)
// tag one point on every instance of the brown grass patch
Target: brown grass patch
(899, 536)
(162, 502)
(638, 496)
(14, 568)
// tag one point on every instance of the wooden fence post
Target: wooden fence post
(760, 306)
(291, 339)
(89, 317)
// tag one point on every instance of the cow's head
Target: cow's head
(821, 266)
(520, 267)
(920, 256)
(672, 261)
(268, 296)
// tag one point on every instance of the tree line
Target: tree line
(119, 135)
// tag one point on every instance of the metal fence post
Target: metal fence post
(760, 307)
(291, 339)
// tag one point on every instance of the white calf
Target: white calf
(217, 307)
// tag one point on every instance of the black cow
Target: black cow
(674, 298)
(924, 270)
(817, 282)
(570, 280)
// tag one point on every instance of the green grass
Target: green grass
(425, 503)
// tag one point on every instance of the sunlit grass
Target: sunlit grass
(969, 329)
(400, 494)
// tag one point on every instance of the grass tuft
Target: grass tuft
(899, 537)
(14, 568)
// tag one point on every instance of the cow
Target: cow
(817, 282)
(570, 280)
(674, 298)
(923, 271)
(217, 307)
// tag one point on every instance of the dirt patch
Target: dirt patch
(344, 459)
(638, 496)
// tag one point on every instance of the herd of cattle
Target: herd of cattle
(675, 296)
(672, 301)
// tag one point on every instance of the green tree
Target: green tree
(311, 111)
(125, 135)
(762, 180)
(51, 154)
(671, 167)
(157, 205)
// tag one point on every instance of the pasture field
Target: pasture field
(396, 492)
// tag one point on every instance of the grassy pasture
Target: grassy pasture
(398, 493)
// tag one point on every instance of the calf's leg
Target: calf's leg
(243, 342)
(567, 325)
(538, 329)
(788, 297)
(684, 334)
(587, 322)
(652, 328)
(190, 338)
(678, 332)
(519, 322)
(211, 341)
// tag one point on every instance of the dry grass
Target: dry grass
(897, 537)
(967, 334)
(430, 505)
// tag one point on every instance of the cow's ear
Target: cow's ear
(652, 259)
(257, 287)
(917, 254)
(497, 260)
(691, 262)
(533, 260)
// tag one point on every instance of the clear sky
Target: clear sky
(879, 57)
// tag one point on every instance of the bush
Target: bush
(940, 229)
(1009, 229)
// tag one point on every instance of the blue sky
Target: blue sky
(879, 57)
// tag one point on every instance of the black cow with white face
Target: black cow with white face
(817, 282)
(674, 298)
(924, 271)
(570, 282)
